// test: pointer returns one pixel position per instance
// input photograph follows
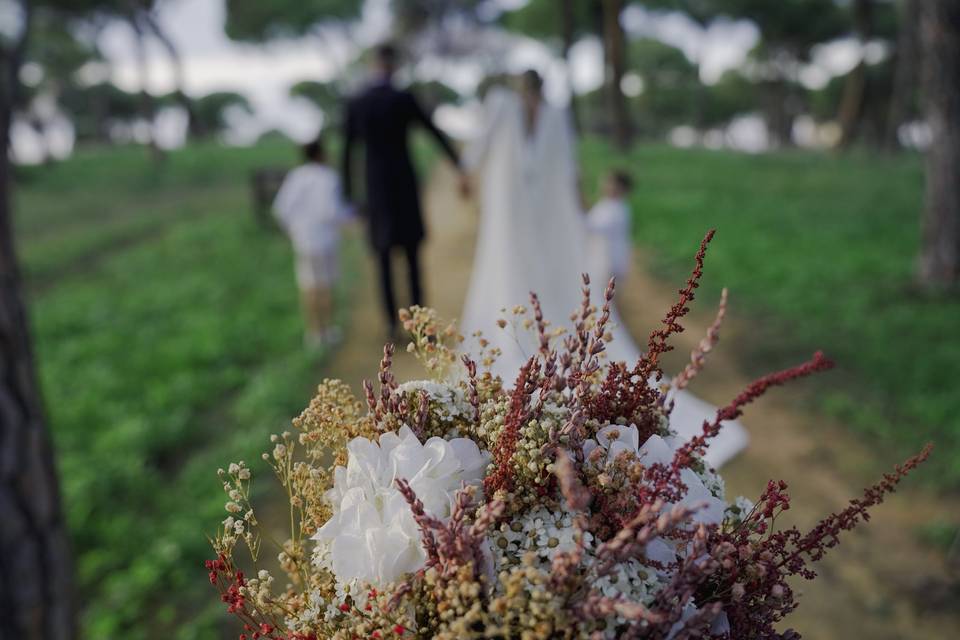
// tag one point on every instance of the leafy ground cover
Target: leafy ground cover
(168, 342)
(818, 251)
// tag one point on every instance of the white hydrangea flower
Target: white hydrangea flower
(372, 536)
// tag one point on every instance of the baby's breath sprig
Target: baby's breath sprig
(241, 523)
(433, 341)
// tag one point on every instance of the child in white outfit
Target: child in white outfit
(608, 223)
(311, 210)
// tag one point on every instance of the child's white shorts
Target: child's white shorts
(318, 270)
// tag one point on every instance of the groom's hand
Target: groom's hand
(463, 185)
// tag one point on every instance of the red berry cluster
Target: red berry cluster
(229, 581)
(501, 478)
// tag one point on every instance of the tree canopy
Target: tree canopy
(542, 19)
(323, 95)
(210, 112)
(258, 21)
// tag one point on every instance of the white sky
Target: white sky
(264, 73)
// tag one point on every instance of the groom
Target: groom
(380, 118)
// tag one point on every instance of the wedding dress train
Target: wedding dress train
(532, 237)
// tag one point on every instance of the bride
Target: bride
(532, 237)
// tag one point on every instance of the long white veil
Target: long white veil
(532, 238)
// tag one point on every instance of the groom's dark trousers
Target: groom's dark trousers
(380, 118)
(411, 253)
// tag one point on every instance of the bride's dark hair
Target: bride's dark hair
(532, 80)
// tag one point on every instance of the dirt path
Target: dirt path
(880, 584)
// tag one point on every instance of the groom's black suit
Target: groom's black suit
(380, 118)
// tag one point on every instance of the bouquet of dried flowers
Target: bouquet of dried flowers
(555, 505)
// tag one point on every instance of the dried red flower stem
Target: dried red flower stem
(372, 404)
(426, 523)
(754, 586)
(596, 606)
(541, 324)
(580, 326)
(700, 562)
(501, 478)
(423, 415)
(649, 363)
(452, 544)
(698, 356)
(826, 533)
(733, 410)
(577, 496)
(473, 393)
(604, 319)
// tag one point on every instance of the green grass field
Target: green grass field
(169, 343)
(818, 252)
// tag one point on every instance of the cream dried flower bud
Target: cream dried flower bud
(234, 468)
(232, 507)
(244, 474)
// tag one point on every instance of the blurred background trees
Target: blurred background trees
(649, 84)
(210, 114)
(837, 75)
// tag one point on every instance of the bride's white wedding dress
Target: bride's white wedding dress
(532, 238)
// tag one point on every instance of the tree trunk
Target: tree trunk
(615, 59)
(855, 87)
(566, 28)
(907, 58)
(940, 35)
(40, 128)
(779, 113)
(36, 581)
(146, 100)
(700, 97)
(194, 127)
(700, 93)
